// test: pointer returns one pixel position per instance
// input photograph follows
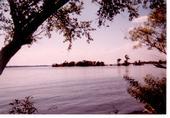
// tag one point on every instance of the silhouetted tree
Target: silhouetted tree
(152, 93)
(80, 63)
(99, 63)
(152, 33)
(65, 63)
(138, 62)
(20, 20)
(126, 63)
(127, 57)
(72, 63)
(118, 61)
(55, 65)
(23, 106)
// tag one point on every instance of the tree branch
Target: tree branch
(14, 15)
(49, 9)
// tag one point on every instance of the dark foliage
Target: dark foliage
(110, 8)
(152, 94)
(23, 106)
(138, 63)
(118, 61)
(152, 33)
(83, 63)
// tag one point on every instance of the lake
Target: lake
(76, 90)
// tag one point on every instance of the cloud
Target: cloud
(140, 19)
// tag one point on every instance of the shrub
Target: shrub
(23, 106)
(152, 93)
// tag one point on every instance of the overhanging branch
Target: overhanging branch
(49, 9)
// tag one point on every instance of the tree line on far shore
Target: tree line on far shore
(83, 63)
(139, 62)
(86, 63)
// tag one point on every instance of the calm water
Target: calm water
(74, 89)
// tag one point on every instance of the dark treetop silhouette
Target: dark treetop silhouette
(20, 20)
(83, 63)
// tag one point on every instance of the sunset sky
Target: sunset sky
(108, 45)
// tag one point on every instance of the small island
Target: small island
(159, 64)
(87, 63)
(83, 63)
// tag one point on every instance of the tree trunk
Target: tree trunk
(7, 53)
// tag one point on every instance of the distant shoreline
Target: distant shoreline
(27, 66)
(115, 65)
(134, 64)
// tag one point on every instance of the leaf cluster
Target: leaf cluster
(152, 93)
(20, 19)
(110, 8)
(65, 22)
(23, 106)
(152, 33)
